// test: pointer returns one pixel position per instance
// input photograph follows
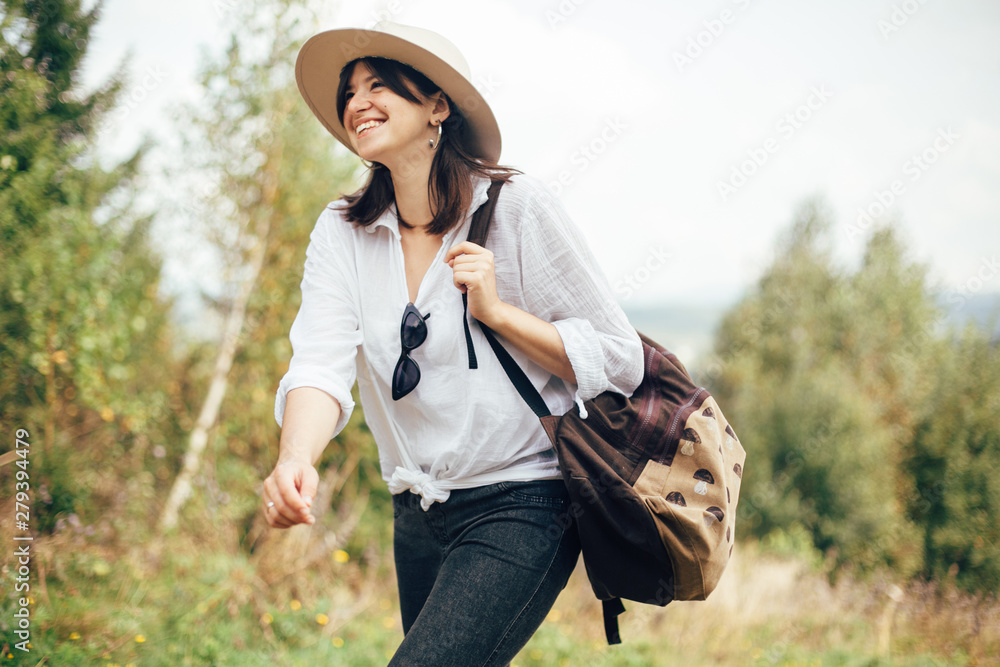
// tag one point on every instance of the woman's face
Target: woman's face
(382, 126)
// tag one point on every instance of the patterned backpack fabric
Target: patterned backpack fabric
(654, 478)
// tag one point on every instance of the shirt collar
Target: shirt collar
(389, 220)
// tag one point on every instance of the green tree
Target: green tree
(80, 319)
(953, 462)
(816, 369)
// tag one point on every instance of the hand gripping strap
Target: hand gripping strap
(478, 232)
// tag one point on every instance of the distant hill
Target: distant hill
(689, 331)
(983, 310)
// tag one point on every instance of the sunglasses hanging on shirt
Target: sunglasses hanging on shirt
(412, 334)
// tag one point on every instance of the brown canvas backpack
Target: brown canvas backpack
(654, 478)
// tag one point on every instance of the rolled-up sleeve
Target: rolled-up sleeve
(563, 285)
(326, 332)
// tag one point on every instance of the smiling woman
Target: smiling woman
(372, 88)
(480, 551)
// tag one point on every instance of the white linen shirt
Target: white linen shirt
(459, 428)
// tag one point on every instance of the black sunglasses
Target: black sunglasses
(412, 334)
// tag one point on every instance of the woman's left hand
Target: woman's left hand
(474, 274)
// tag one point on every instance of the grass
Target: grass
(767, 611)
(208, 600)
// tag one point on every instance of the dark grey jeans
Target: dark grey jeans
(478, 573)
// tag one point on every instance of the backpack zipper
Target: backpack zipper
(677, 416)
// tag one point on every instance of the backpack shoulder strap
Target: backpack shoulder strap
(482, 218)
(478, 232)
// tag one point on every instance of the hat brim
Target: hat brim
(323, 56)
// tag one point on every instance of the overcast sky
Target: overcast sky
(690, 131)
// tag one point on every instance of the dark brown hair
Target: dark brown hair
(449, 187)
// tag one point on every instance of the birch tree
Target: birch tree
(266, 170)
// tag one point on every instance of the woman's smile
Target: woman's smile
(370, 103)
(365, 128)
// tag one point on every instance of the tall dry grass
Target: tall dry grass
(93, 598)
(771, 609)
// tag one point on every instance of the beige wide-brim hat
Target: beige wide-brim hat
(323, 56)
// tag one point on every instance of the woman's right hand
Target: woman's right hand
(291, 487)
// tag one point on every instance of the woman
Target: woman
(480, 539)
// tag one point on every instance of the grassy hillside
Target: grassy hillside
(205, 601)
